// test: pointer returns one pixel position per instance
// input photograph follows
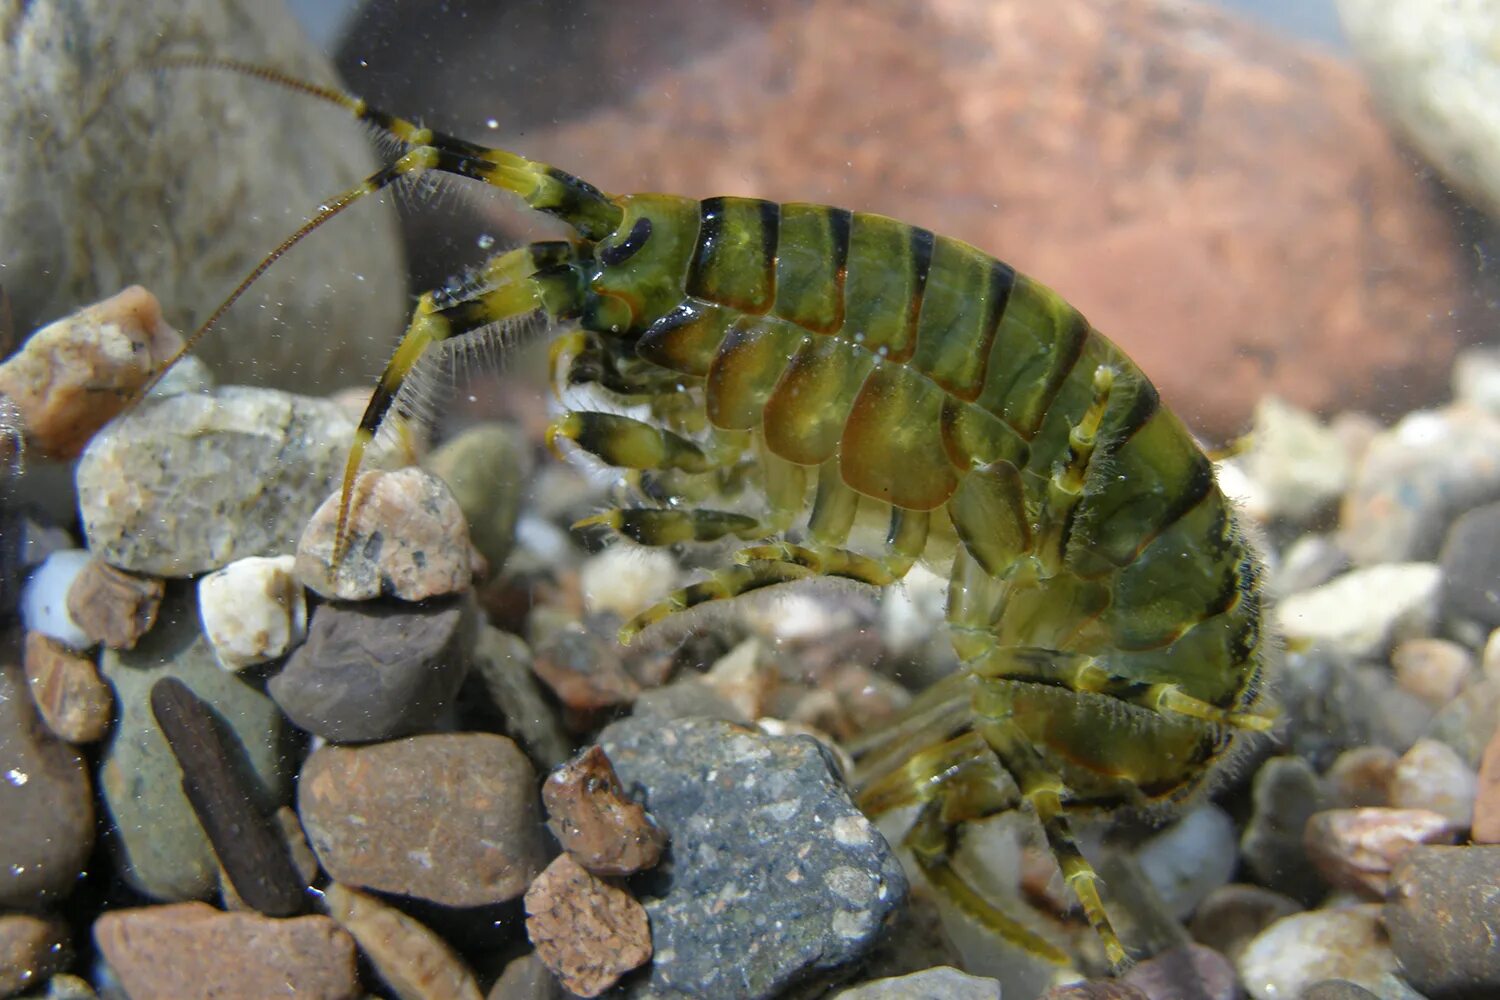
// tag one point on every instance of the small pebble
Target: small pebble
(587, 931)
(1434, 670)
(67, 690)
(44, 601)
(72, 377)
(253, 610)
(1187, 972)
(1297, 951)
(1286, 792)
(1442, 914)
(45, 798)
(32, 947)
(1191, 858)
(1355, 849)
(687, 698)
(1471, 567)
(112, 606)
(1231, 916)
(415, 963)
(448, 817)
(772, 878)
(1361, 776)
(377, 670)
(1309, 562)
(584, 669)
(1336, 989)
(487, 467)
(626, 579)
(527, 978)
(502, 662)
(1299, 464)
(406, 538)
(1095, 989)
(194, 950)
(942, 983)
(1486, 828)
(595, 821)
(1432, 776)
(186, 484)
(1363, 612)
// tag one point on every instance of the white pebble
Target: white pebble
(44, 602)
(253, 610)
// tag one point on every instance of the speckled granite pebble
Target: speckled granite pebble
(772, 878)
(448, 817)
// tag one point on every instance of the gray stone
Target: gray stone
(1300, 465)
(45, 798)
(1435, 70)
(160, 847)
(1233, 915)
(772, 879)
(1469, 722)
(1336, 989)
(502, 662)
(1331, 704)
(684, 699)
(1286, 794)
(1442, 913)
(526, 978)
(487, 468)
(1191, 858)
(943, 983)
(448, 817)
(375, 671)
(190, 483)
(181, 181)
(1414, 479)
(1471, 567)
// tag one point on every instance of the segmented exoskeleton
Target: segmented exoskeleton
(846, 368)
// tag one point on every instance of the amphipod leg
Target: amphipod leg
(1065, 488)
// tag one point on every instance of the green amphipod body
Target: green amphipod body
(820, 371)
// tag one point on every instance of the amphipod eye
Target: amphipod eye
(627, 248)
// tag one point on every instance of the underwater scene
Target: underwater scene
(776, 500)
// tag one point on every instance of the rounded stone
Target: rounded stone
(452, 817)
(1442, 913)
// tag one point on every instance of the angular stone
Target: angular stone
(414, 962)
(159, 845)
(189, 483)
(1442, 913)
(594, 821)
(114, 607)
(72, 377)
(376, 671)
(45, 797)
(448, 817)
(194, 950)
(406, 538)
(253, 610)
(773, 877)
(1355, 849)
(585, 930)
(67, 690)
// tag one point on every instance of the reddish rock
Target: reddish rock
(585, 670)
(586, 931)
(450, 818)
(194, 950)
(596, 822)
(112, 606)
(1223, 202)
(1486, 828)
(70, 696)
(1355, 849)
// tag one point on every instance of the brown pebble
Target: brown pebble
(1355, 849)
(593, 819)
(526, 978)
(72, 699)
(406, 538)
(584, 669)
(112, 606)
(414, 961)
(1232, 915)
(1188, 972)
(74, 376)
(1361, 777)
(1486, 827)
(1434, 670)
(194, 950)
(586, 931)
(32, 947)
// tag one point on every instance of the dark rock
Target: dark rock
(1286, 794)
(32, 947)
(376, 671)
(772, 879)
(1231, 916)
(502, 662)
(1471, 567)
(1188, 972)
(449, 817)
(45, 798)
(1442, 913)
